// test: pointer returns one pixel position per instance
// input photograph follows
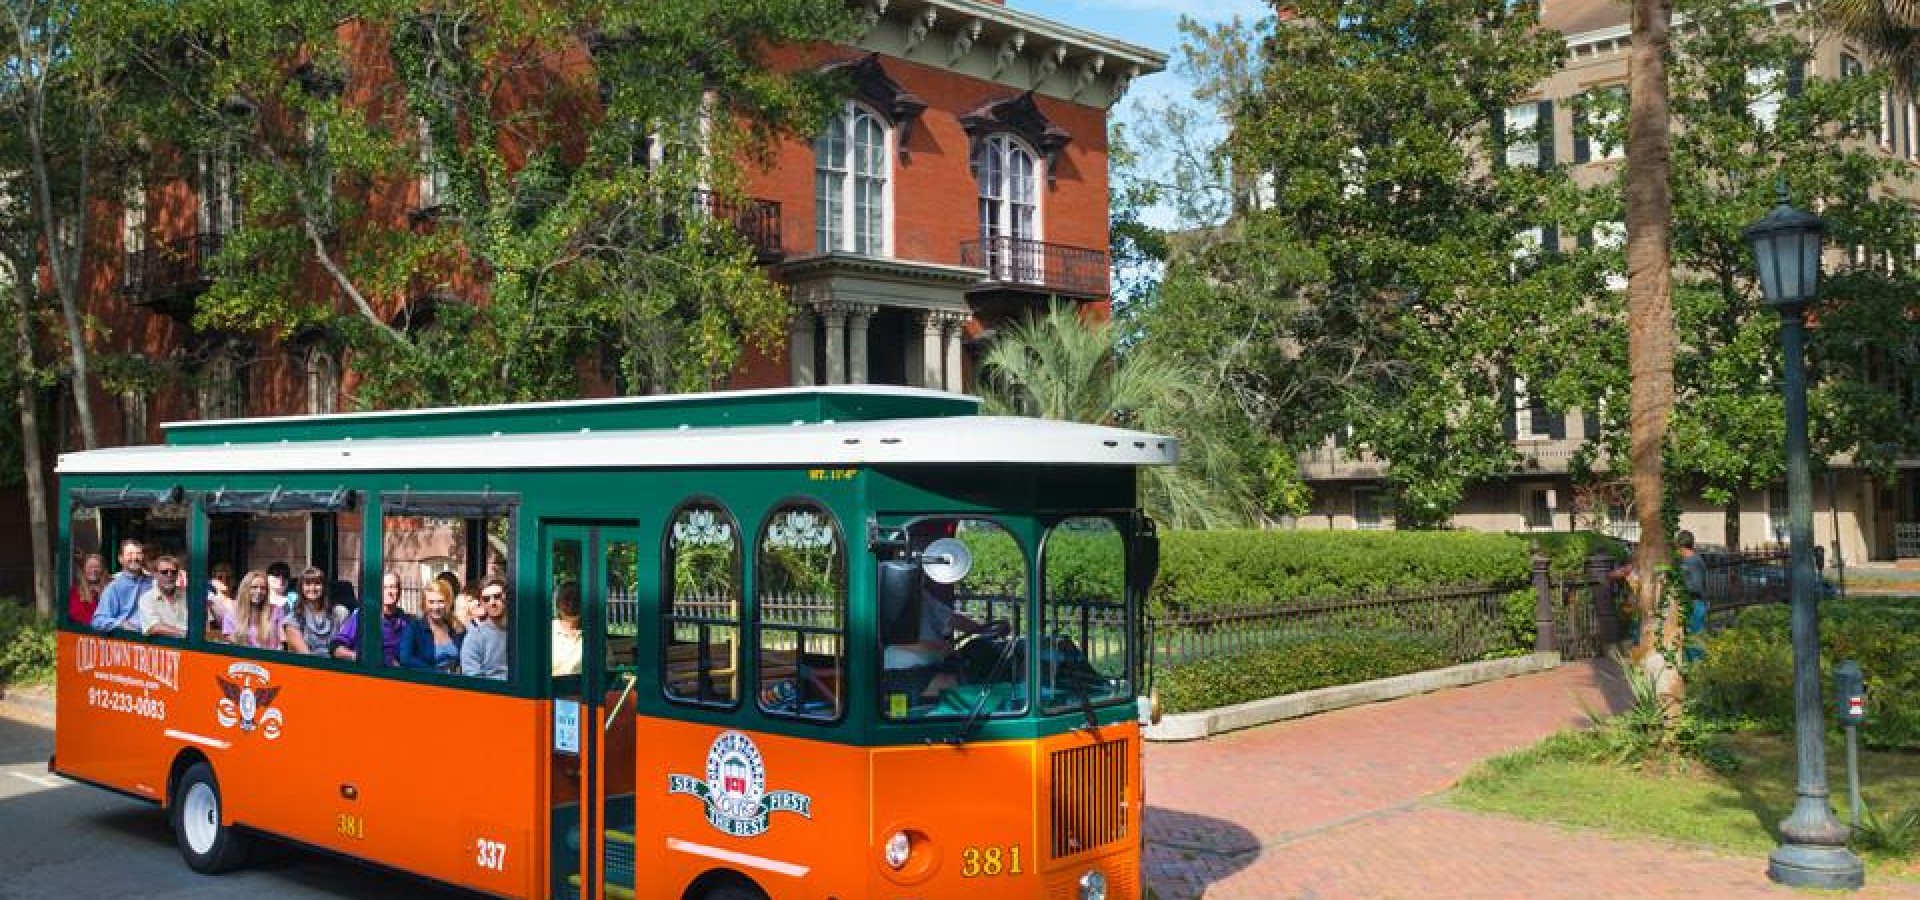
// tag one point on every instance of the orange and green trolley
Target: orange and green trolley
(846, 642)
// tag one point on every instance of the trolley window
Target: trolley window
(702, 612)
(956, 648)
(1083, 644)
(800, 596)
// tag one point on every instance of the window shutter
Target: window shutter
(1550, 239)
(1796, 76)
(1582, 151)
(1590, 425)
(1544, 128)
(1556, 424)
(1509, 421)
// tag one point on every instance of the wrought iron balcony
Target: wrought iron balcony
(167, 276)
(757, 220)
(1023, 265)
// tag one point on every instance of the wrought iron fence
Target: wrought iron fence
(1468, 623)
(1906, 539)
(1052, 267)
(1746, 578)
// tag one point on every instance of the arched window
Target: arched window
(323, 381)
(1008, 171)
(800, 593)
(702, 608)
(222, 385)
(850, 172)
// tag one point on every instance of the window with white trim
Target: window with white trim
(1597, 125)
(851, 169)
(219, 207)
(1009, 205)
(1765, 89)
(1612, 236)
(1529, 135)
(133, 233)
(433, 180)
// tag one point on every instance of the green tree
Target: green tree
(577, 161)
(1059, 366)
(1386, 266)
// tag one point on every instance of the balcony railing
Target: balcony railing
(1037, 265)
(757, 220)
(171, 270)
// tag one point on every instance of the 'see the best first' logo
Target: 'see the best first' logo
(735, 789)
(247, 700)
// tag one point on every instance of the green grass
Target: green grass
(1738, 812)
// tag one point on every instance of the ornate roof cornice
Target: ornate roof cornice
(1009, 47)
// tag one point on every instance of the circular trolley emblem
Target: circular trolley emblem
(246, 698)
(735, 790)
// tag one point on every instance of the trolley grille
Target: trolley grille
(1089, 803)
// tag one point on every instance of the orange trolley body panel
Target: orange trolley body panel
(979, 816)
(352, 764)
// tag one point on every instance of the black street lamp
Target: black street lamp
(1813, 848)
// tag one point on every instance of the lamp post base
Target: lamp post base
(1816, 866)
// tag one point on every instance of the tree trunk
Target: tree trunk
(29, 400)
(1650, 331)
(64, 267)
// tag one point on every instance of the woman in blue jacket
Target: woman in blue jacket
(433, 639)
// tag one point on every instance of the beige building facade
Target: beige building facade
(1864, 517)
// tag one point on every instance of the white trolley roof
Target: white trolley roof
(951, 440)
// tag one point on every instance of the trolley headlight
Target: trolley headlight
(1093, 886)
(899, 847)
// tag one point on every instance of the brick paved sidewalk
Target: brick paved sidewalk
(1331, 806)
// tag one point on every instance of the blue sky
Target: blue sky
(1149, 23)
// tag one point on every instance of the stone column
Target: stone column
(956, 327)
(836, 316)
(858, 316)
(932, 324)
(802, 324)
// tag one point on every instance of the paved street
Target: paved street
(1324, 808)
(1340, 806)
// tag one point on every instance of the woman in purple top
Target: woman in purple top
(254, 620)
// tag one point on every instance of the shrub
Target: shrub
(1295, 664)
(26, 645)
(1747, 672)
(1221, 569)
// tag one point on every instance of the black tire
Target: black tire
(209, 846)
(734, 890)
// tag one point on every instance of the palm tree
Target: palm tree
(1060, 367)
(1650, 325)
(1886, 30)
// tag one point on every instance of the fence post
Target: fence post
(1606, 611)
(1544, 639)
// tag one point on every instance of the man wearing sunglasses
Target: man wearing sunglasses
(164, 607)
(484, 653)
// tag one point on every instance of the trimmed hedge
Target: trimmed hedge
(1747, 672)
(1295, 664)
(1202, 570)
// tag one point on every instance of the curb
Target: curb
(1206, 723)
(32, 700)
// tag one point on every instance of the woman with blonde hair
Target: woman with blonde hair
(433, 638)
(254, 620)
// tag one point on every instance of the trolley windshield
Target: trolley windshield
(962, 640)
